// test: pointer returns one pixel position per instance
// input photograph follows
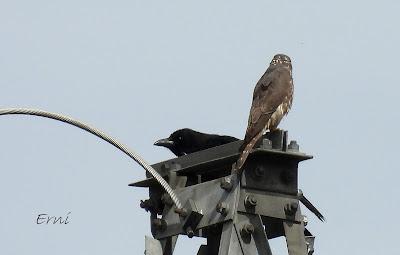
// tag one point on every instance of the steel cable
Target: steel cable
(101, 135)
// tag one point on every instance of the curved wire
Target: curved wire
(103, 136)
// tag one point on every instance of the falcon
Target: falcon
(272, 99)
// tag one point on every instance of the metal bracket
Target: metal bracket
(237, 214)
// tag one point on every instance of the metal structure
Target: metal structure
(237, 214)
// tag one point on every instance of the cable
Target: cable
(103, 136)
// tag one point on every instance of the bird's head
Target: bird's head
(281, 60)
(177, 141)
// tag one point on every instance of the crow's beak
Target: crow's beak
(164, 143)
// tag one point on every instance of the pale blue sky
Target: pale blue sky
(141, 69)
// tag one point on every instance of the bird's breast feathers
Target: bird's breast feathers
(272, 98)
(277, 116)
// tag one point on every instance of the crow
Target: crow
(185, 141)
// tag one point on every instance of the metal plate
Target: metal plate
(206, 195)
(257, 242)
(230, 244)
(272, 174)
(269, 204)
(152, 246)
(295, 239)
(220, 156)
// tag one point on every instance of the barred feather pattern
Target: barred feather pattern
(271, 125)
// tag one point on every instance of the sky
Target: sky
(139, 70)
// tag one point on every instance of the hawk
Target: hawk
(272, 99)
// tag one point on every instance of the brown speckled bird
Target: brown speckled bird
(272, 99)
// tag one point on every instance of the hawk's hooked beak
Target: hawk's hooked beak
(164, 143)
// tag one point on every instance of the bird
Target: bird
(272, 100)
(185, 141)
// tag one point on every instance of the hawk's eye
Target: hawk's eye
(180, 138)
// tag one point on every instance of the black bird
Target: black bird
(186, 141)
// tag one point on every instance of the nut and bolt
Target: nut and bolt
(250, 201)
(166, 168)
(291, 209)
(247, 229)
(226, 183)
(266, 144)
(293, 146)
(189, 232)
(222, 208)
(299, 193)
(259, 171)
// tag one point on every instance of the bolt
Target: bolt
(189, 232)
(266, 144)
(291, 209)
(160, 224)
(250, 201)
(222, 208)
(175, 166)
(293, 146)
(247, 229)
(166, 168)
(259, 171)
(226, 183)
(166, 199)
(299, 193)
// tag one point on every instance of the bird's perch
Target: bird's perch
(228, 210)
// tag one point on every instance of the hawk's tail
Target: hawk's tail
(245, 150)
